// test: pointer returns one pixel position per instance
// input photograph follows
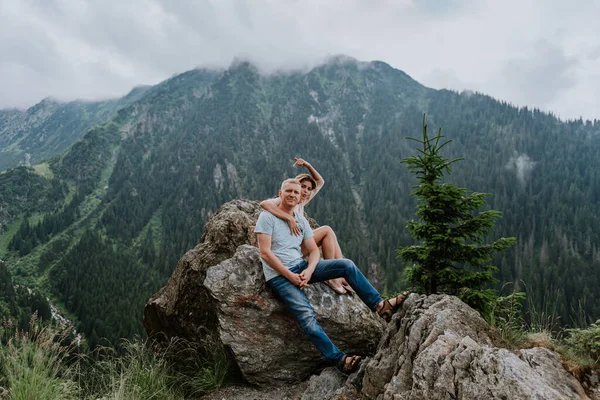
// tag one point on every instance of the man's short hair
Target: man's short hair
(290, 180)
(307, 177)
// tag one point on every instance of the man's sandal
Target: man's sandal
(349, 364)
(388, 309)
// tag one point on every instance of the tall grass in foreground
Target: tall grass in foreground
(148, 370)
(34, 364)
(44, 363)
(138, 373)
(506, 317)
(512, 328)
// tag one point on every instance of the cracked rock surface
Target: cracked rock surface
(437, 347)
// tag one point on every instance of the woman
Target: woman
(323, 235)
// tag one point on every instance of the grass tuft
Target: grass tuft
(35, 363)
(44, 363)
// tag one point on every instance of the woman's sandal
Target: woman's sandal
(388, 309)
(349, 364)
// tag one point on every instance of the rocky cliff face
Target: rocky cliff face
(435, 347)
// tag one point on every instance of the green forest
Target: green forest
(99, 227)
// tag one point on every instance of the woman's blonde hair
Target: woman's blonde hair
(307, 177)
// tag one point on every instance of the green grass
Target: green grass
(35, 218)
(106, 173)
(45, 363)
(139, 373)
(156, 370)
(34, 363)
(156, 225)
(6, 236)
(44, 170)
(579, 348)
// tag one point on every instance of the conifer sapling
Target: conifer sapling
(451, 257)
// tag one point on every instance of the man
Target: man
(287, 273)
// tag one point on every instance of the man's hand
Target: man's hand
(296, 279)
(305, 276)
(294, 228)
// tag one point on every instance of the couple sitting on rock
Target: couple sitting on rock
(285, 238)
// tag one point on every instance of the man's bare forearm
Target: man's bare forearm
(313, 259)
(273, 261)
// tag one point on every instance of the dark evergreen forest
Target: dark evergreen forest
(105, 228)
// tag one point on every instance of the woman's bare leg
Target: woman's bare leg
(325, 237)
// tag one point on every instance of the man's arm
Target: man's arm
(272, 206)
(313, 260)
(264, 245)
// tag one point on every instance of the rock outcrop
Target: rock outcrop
(218, 288)
(437, 347)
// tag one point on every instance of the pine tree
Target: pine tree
(147, 252)
(451, 258)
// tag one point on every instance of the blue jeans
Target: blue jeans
(298, 304)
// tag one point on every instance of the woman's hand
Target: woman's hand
(294, 228)
(300, 162)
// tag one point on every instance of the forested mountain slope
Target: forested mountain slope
(109, 218)
(49, 127)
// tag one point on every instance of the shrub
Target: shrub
(585, 342)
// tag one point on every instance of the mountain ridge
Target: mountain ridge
(144, 182)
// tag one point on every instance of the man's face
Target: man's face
(290, 194)
(306, 187)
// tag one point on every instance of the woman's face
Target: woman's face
(307, 187)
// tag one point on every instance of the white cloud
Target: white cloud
(530, 53)
(539, 78)
(522, 165)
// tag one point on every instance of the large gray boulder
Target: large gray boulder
(437, 347)
(218, 289)
(267, 342)
(182, 308)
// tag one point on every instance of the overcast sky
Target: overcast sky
(540, 53)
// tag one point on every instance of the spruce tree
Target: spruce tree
(451, 257)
